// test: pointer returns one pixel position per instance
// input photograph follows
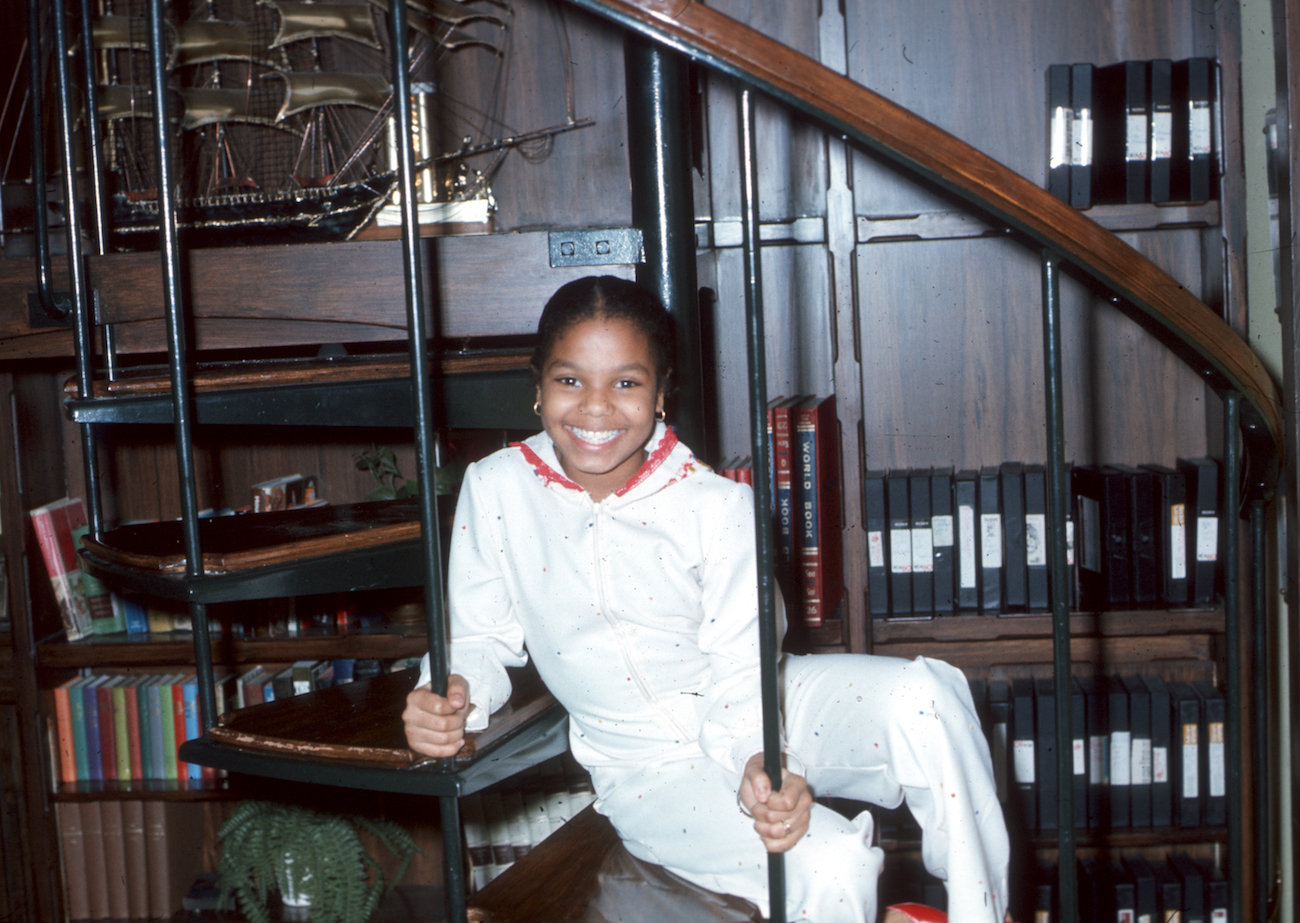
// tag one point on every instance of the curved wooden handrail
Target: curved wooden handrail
(1199, 336)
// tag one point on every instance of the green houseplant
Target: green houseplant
(314, 860)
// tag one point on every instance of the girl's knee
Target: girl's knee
(934, 689)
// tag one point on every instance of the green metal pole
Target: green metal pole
(768, 641)
(1232, 631)
(1067, 885)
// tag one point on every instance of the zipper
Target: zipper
(602, 601)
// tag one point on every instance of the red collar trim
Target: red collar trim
(550, 476)
(657, 458)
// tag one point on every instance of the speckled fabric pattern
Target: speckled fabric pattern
(640, 613)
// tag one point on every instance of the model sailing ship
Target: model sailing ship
(285, 110)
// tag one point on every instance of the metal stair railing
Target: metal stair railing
(1252, 405)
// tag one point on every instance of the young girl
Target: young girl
(625, 569)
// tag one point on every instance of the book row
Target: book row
(1136, 131)
(502, 824)
(1146, 753)
(940, 541)
(126, 727)
(128, 859)
(804, 466)
(1178, 888)
(1129, 888)
(86, 605)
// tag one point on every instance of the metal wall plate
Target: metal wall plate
(601, 247)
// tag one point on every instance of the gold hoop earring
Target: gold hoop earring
(660, 416)
(537, 408)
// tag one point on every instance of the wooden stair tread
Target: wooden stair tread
(233, 543)
(362, 721)
(582, 874)
(154, 380)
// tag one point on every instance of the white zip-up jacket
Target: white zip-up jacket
(639, 612)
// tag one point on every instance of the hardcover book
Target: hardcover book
(1202, 478)
(1081, 139)
(900, 543)
(964, 495)
(1123, 129)
(1192, 175)
(941, 530)
(1037, 539)
(990, 541)
(876, 522)
(1015, 565)
(1161, 148)
(922, 539)
(1162, 789)
(1060, 118)
(818, 542)
(1102, 524)
(1213, 752)
(1140, 775)
(1023, 756)
(54, 524)
(1187, 754)
(1045, 752)
(1171, 533)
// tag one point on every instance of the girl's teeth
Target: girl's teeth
(594, 437)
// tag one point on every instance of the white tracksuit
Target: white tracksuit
(640, 613)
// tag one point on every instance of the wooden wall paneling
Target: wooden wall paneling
(952, 362)
(539, 185)
(951, 359)
(248, 298)
(1129, 371)
(994, 57)
(30, 475)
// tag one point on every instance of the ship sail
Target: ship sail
(287, 106)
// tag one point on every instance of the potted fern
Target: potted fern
(314, 860)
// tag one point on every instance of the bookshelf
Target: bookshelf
(933, 362)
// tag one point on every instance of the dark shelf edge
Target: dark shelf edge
(1019, 626)
(540, 739)
(180, 650)
(396, 564)
(468, 400)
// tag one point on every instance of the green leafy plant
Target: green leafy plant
(334, 873)
(381, 463)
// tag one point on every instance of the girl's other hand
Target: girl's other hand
(780, 817)
(435, 726)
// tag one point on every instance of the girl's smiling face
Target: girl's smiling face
(598, 398)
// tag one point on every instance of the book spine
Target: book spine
(66, 584)
(107, 732)
(105, 619)
(157, 859)
(783, 479)
(65, 735)
(190, 698)
(178, 729)
(94, 743)
(115, 859)
(157, 741)
(121, 733)
(72, 843)
(92, 825)
(819, 504)
(137, 868)
(135, 754)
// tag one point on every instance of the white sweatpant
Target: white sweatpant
(874, 729)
